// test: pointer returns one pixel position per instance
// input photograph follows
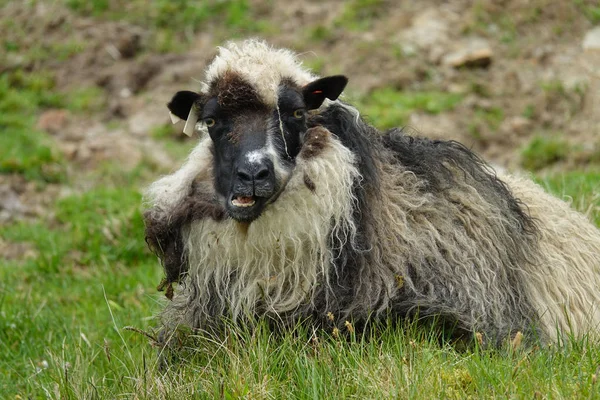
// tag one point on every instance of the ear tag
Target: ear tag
(317, 92)
(192, 119)
(174, 118)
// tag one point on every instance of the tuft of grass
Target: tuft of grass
(529, 111)
(88, 99)
(480, 89)
(485, 120)
(100, 226)
(590, 9)
(554, 86)
(582, 188)
(184, 16)
(388, 362)
(389, 108)
(320, 33)
(162, 131)
(171, 140)
(62, 310)
(54, 51)
(90, 8)
(508, 28)
(25, 92)
(166, 41)
(23, 149)
(29, 153)
(27, 42)
(173, 24)
(493, 117)
(104, 225)
(543, 151)
(315, 64)
(486, 19)
(192, 14)
(359, 15)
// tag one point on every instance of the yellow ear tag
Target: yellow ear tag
(192, 119)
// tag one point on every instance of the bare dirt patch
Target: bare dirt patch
(521, 66)
(523, 59)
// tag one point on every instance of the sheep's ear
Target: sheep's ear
(329, 87)
(181, 104)
(184, 105)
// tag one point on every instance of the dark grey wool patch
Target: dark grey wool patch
(430, 160)
(441, 166)
(164, 233)
(234, 93)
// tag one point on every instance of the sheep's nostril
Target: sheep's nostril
(261, 174)
(253, 174)
(258, 176)
(245, 176)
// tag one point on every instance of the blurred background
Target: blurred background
(84, 127)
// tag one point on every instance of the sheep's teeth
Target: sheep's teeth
(238, 203)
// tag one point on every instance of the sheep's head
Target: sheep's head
(255, 109)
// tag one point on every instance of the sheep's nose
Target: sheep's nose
(254, 173)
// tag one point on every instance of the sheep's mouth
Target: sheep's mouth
(245, 208)
(243, 201)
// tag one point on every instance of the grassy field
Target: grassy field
(86, 275)
(80, 275)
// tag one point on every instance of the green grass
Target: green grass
(89, 275)
(90, 259)
(543, 151)
(320, 33)
(172, 23)
(582, 188)
(490, 118)
(589, 8)
(23, 149)
(99, 226)
(388, 108)
(27, 42)
(178, 14)
(359, 15)
(86, 99)
(97, 358)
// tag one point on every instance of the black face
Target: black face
(255, 146)
(248, 145)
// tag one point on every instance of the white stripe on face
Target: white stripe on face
(256, 156)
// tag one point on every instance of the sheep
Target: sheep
(291, 207)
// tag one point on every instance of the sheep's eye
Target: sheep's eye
(210, 122)
(299, 113)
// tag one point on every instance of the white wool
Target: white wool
(284, 255)
(260, 64)
(565, 284)
(165, 193)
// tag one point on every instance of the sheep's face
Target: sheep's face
(254, 144)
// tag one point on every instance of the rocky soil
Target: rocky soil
(524, 67)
